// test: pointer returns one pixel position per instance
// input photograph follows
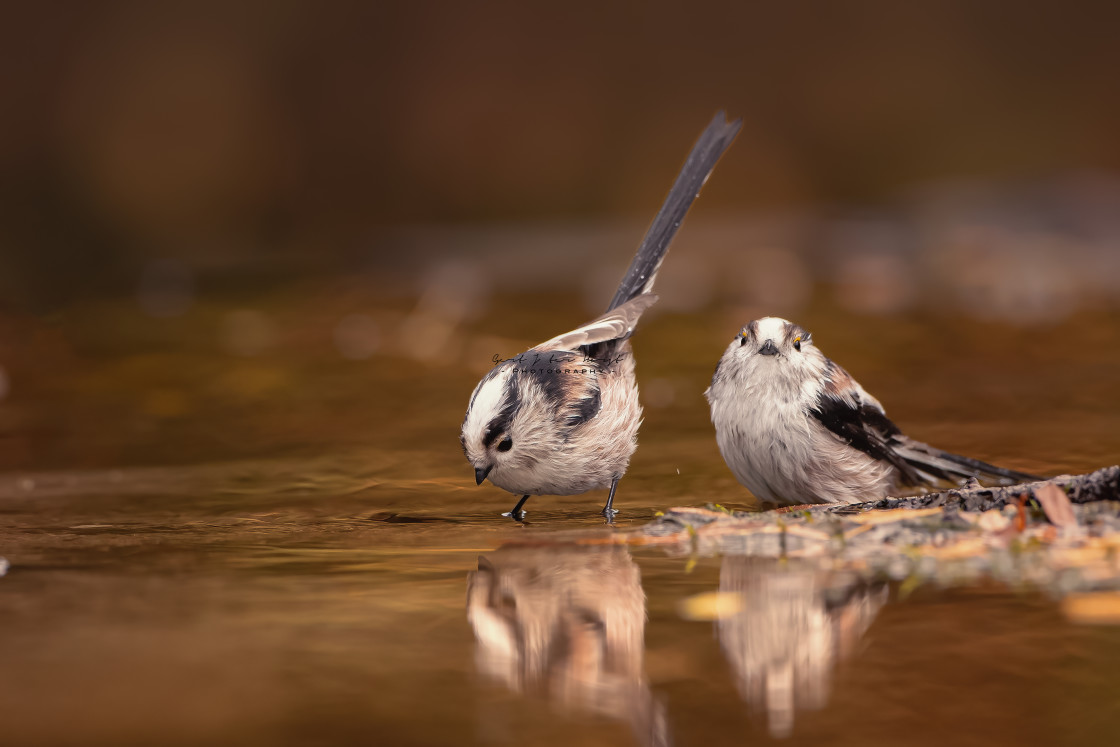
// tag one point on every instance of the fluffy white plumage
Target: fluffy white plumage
(571, 423)
(796, 428)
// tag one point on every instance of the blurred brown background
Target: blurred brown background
(286, 132)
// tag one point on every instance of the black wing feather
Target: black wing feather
(574, 395)
(866, 428)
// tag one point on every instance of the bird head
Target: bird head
(773, 349)
(488, 429)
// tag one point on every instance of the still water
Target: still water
(278, 544)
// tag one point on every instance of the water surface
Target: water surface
(287, 547)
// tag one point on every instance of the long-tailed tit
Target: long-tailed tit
(562, 418)
(796, 428)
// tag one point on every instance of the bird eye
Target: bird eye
(506, 444)
(742, 340)
(797, 344)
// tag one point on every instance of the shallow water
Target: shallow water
(288, 547)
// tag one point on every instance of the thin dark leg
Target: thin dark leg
(607, 510)
(517, 514)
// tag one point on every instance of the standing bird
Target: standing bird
(562, 418)
(796, 428)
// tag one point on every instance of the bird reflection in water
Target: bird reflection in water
(567, 624)
(787, 630)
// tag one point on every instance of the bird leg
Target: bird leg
(607, 510)
(517, 514)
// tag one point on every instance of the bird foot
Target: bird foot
(609, 514)
(515, 515)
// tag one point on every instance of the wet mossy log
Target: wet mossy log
(1101, 485)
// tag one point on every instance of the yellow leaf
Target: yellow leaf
(1099, 608)
(711, 605)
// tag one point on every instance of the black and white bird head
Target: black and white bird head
(488, 434)
(509, 429)
(773, 350)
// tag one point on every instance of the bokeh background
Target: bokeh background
(244, 228)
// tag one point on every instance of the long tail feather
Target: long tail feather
(703, 158)
(954, 467)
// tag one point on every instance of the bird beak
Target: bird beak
(768, 348)
(480, 473)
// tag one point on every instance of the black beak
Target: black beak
(768, 348)
(481, 473)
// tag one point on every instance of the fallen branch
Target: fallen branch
(1102, 485)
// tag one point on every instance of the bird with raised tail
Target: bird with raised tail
(562, 418)
(795, 428)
